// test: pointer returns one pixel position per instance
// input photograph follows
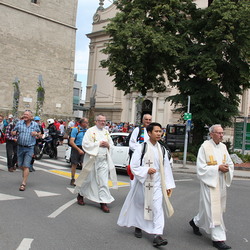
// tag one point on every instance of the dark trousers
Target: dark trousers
(11, 149)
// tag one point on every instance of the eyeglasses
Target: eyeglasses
(100, 120)
(219, 133)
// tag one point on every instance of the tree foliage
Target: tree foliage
(203, 52)
(215, 70)
(145, 43)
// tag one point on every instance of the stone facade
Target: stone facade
(38, 39)
(111, 101)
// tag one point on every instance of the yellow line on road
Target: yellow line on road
(68, 174)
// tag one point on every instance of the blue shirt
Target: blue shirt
(24, 133)
(78, 133)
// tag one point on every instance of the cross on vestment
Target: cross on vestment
(149, 163)
(149, 186)
(148, 209)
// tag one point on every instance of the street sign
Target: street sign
(188, 125)
(187, 116)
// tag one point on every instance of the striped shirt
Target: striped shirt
(24, 133)
(8, 134)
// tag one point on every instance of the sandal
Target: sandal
(22, 187)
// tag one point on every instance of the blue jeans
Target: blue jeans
(24, 156)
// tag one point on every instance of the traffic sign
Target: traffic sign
(187, 116)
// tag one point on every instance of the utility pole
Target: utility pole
(92, 105)
(187, 117)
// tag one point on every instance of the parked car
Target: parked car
(119, 153)
(175, 136)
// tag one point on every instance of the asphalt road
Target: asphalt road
(46, 215)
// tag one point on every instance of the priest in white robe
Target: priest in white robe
(153, 183)
(215, 171)
(92, 183)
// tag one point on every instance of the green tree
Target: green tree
(146, 42)
(215, 71)
(203, 52)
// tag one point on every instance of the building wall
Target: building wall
(38, 39)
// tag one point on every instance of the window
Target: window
(76, 92)
(35, 1)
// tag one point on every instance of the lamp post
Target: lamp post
(40, 96)
(16, 96)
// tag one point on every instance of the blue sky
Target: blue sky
(85, 12)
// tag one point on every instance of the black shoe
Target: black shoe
(220, 245)
(196, 230)
(72, 182)
(159, 241)
(138, 232)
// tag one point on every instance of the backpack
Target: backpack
(130, 152)
(69, 133)
(164, 148)
(129, 136)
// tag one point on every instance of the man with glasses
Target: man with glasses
(215, 171)
(27, 131)
(92, 182)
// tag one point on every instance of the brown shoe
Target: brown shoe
(10, 169)
(104, 208)
(72, 182)
(80, 200)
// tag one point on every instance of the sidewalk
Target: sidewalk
(191, 169)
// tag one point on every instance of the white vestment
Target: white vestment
(132, 212)
(133, 142)
(92, 183)
(213, 185)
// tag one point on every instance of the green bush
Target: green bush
(244, 158)
(190, 157)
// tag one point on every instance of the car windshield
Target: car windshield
(119, 140)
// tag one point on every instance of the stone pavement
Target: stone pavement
(191, 169)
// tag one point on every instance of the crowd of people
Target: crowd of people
(152, 183)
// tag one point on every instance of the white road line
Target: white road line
(25, 244)
(62, 208)
(57, 161)
(48, 165)
(184, 180)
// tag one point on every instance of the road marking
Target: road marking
(246, 240)
(64, 163)
(71, 190)
(62, 208)
(44, 194)
(68, 174)
(6, 197)
(25, 244)
(49, 165)
(184, 180)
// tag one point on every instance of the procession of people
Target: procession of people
(149, 196)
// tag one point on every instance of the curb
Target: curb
(191, 171)
(193, 164)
